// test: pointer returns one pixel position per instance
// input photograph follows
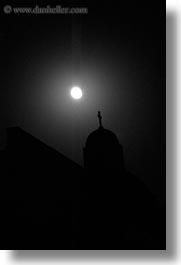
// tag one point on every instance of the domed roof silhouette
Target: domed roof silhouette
(101, 137)
(102, 150)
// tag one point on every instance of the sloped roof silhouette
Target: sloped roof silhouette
(39, 168)
(19, 139)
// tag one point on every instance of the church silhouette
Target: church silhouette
(50, 202)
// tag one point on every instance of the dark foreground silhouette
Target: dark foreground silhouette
(50, 202)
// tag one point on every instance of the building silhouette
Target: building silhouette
(102, 151)
(50, 202)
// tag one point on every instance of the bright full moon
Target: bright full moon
(76, 92)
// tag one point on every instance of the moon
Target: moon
(76, 92)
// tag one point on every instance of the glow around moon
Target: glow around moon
(76, 92)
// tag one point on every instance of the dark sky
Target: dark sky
(115, 53)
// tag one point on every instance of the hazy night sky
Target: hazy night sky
(116, 54)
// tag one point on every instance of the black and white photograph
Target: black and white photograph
(83, 125)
